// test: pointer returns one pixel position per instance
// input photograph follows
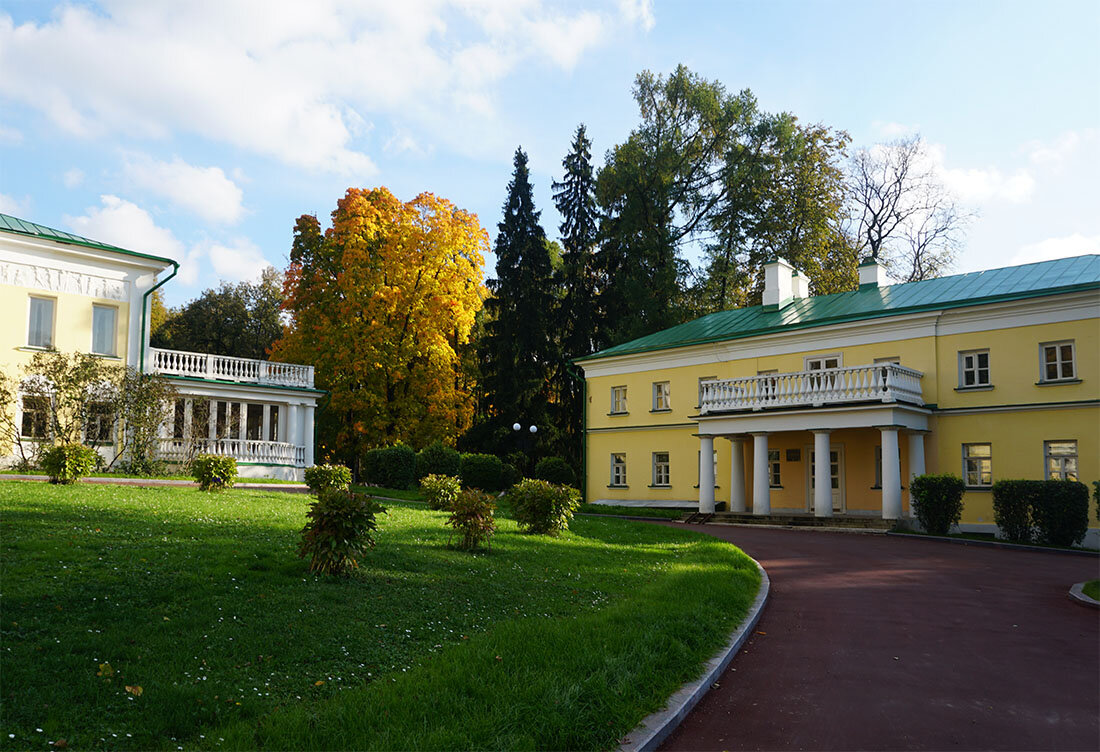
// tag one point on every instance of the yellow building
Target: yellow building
(60, 291)
(987, 375)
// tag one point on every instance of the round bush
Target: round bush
(68, 463)
(440, 491)
(555, 470)
(937, 501)
(338, 533)
(320, 477)
(472, 518)
(543, 508)
(214, 471)
(438, 459)
(483, 471)
(390, 467)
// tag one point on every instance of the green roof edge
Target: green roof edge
(68, 238)
(854, 317)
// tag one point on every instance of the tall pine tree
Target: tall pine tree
(575, 198)
(518, 354)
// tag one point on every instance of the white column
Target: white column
(916, 462)
(307, 439)
(188, 416)
(891, 474)
(737, 475)
(212, 423)
(761, 485)
(823, 476)
(706, 475)
(266, 430)
(293, 435)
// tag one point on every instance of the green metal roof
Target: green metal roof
(18, 226)
(959, 290)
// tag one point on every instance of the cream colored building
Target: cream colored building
(64, 292)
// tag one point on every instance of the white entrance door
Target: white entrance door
(836, 476)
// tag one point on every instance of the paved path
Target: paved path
(155, 482)
(875, 642)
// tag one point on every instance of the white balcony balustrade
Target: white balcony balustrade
(243, 450)
(226, 368)
(881, 382)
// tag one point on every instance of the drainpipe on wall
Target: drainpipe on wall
(145, 315)
(571, 368)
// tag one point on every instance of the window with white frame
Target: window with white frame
(774, 478)
(893, 359)
(978, 465)
(662, 396)
(820, 362)
(273, 427)
(973, 369)
(1058, 361)
(99, 428)
(660, 469)
(35, 420)
(1061, 460)
(618, 399)
(618, 469)
(40, 322)
(104, 320)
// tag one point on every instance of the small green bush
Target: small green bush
(472, 518)
(214, 471)
(937, 502)
(440, 491)
(67, 463)
(482, 471)
(320, 477)
(438, 459)
(1012, 502)
(555, 470)
(1060, 512)
(1096, 497)
(390, 467)
(339, 531)
(543, 508)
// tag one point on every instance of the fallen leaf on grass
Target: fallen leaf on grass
(134, 690)
(105, 670)
(318, 683)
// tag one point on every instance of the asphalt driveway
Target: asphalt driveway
(877, 642)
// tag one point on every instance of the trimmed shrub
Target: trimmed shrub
(1012, 509)
(1060, 511)
(543, 508)
(213, 471)
(339, 531)
(482, 471)
(472, 518)
(937, 501)
(68, 463)
(320, 477)
(390, 467)
(440, 491)
(509, 475)
(1096, 497)
(438, 459)
(555, 470)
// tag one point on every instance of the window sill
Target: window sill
(106, 356)
(978, 388)
(662, 410)
(1057, 382)
(879, 488)
(697, 485)
(977, 488)
(775, 487)
(622, 413)
(35, 348)
(665, 485)
(618, 486)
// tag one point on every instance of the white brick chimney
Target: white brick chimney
(872, 274)
(778, 283)
(801, 284)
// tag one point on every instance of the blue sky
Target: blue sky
(201, 130)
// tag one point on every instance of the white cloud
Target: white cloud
(10, 136)
(127, 225)
(299, 82)
(206, 191)
(19, 207)
(978, 185)
(1055, 154)
(72, 178)
(241, 260)
(1054, 248)
(891, 130)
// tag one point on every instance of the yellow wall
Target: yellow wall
(1017, 434)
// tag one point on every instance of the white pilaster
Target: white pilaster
(891, 474)
(307, 439)
(706, 474)
(293, 432)
(266, 430)
(212, 421)
(916, 462)
(737, 475)
(823, 477)
(188, 416)
(761, 486)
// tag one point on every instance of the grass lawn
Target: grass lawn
(1092, 589)
(154, 477)
(665, 514)
(200, 601)
(414, 494)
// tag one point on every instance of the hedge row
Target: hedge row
(400, 467)
(1055, 512)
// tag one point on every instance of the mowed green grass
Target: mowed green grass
(656, 512)
(1092, 589)
(201, 601)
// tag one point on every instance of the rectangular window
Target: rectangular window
(701, 380)
(774, 479)
(892, 359)
(254, 422)
(1058, 361)
(200, 419)
(821, 362)
(878, 466)
(662, 396)
(103, 329)
(974, 369)
(660, 469)
(618, 399)
(100, 426)
(179, 414)
(273, 428)
(40, 326)
(36, 417)
(1061, 460)
(618, 470)
(978, 465)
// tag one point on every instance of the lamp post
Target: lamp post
(526, 440)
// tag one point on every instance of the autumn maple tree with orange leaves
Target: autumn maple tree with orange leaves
(381, 304)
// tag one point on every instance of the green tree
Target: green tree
(242, 320)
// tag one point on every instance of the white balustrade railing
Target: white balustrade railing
(243, 450)
(881, 382)
(227, 368)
